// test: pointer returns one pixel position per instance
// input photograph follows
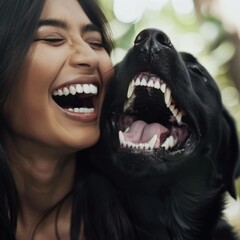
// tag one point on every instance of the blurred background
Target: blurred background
(209, 29)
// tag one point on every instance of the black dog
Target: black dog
(168, 144)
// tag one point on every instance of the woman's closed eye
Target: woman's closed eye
(55, 41)
(95, 44)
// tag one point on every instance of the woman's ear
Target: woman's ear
(228, 157)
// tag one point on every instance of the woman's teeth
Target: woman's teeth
(81, 110)
(76, 88)
(77, 98)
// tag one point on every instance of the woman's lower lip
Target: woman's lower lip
(82, 116)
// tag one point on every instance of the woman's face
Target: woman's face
(58, 94)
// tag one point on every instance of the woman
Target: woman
(54, 69)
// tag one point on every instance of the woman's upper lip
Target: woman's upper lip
(86, 79)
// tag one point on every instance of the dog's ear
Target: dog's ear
(229, 158)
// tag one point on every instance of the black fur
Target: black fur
(179, 193)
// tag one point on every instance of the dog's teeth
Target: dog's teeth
(138, 82)
(130, 89)
(141, 146)
(152, 142)
(143, 82)
(126, 130)
(157, 85)
(167, 97)
(179, 117)
(146, 146)
(150, 83)
(171, 141)
(121, 137)
(171, 107)
(166, 144)
(163, 87)
(175, 112)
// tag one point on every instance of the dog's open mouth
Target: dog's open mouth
(151, 118)
(78, 98)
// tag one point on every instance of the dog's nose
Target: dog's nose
(151, 39)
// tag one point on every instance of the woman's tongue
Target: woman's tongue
(141, 132)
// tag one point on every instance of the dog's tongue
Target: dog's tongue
(141, 132)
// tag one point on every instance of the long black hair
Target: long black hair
(18, 23)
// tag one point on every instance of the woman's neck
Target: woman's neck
(43, 178)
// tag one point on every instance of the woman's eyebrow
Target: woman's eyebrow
(59, 23)
(91, 28)
(54, 23)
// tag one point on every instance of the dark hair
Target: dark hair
(19, 20)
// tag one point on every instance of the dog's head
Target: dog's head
(162, 110)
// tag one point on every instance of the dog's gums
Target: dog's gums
(151, 118)
(78, 98)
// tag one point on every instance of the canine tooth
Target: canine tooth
(72, 90)
(65, 91)
(152, 142)
(171, 141)
(130, 89)
(146, 145)
(143, 82)
(167, 96)
(157, 85)
(86, 88)
(121, 137)
(150, 83)
(179, 117)
(163, 87)
(138, 82)
(79, 88)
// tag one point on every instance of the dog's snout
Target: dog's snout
(152, 39)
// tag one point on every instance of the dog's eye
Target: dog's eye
(198, 71)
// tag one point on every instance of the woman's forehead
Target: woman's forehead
(70, 11)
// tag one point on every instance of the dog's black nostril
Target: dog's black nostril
(141, 37)
(163, 39)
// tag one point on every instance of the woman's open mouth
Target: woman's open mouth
(77, 98)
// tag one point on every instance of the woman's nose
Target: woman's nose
(84, 56)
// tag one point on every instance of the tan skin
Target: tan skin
(42, 138)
